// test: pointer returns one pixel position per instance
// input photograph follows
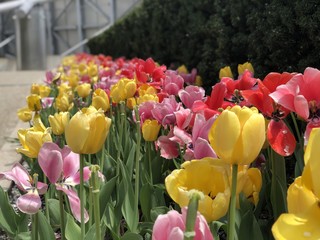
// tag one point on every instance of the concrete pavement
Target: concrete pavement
(14, 88)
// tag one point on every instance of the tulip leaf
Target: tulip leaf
(131, 236)
(155, 212)
(45, 230)
(145, 202)
(23, 236)
(54, 212)
(91, 234)
(131, 159)
(214, 228)
(128, 203)
(72, 230)
(106, 192)
(7, 214)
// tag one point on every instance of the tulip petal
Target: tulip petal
(203, 149)
(29, 203)
(51, 165)
(224, 134)
(75, 179)
(280, 138)
(71, 162)
(74, 203)
(19, 175)
(253, 137)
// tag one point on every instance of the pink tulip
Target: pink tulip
(191, 94)
(172, 83)
(30, 202)
(61, 166)
(164, 111)
(171, 226)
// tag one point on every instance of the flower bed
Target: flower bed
(128, 149)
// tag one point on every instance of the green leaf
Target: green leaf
(131, 236)
(72, 231)
(54, 212)
(22, 222)
(106, 192)
(214, 228)
(91, 234)
(7, 214)
(146, 205)
(23, 236)
(45, 230)
(128, 203)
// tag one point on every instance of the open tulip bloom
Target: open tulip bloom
(30, 202)
(61, 166)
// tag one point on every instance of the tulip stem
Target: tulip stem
(82, 197)
(61, 214)
(46, 200)
(90, 201)
(232, 207)
(137, 167)
(35, 226)
(189, 233)
(149, 161)
(96, 201)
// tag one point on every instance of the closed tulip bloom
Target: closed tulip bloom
(83, 90)
(62, 103)
(33, 138)
(100, 99)
(150, 130)
(24, 114)
(225, 72)
(303, 217)
(131, 102)
(58, 122)
(125, 88)
(206, 175)
(34, 102)
(238, 135)
(87, 130)
(245, 66)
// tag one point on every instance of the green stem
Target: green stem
(102, 157)
(61, 215)
(90, 202)
(137, 167)
(192, 216)
(82, 197)
(149, 161)
(35, 226)
(46, 200)
(96, 201)
(296, 127)
(232, 207)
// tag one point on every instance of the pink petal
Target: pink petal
(74, 203)
(182, 134)
(202, 149)
(42, 188)
(314, 123)
(20, 176)
(29, 203)
(51, 165)
(71, 162)
(301, 106)
(75, 179)
(168, 149)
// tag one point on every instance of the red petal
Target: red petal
(280, 138)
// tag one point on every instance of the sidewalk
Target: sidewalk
(14, 88)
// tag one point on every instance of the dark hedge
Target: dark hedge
(275, 35)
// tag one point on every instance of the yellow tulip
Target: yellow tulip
(245, 66)
(131, 103)
(92, 70)
(62, 103)
(238, 135)
(58, 122)
(125, 88)
(251, 184)
(206, 175)
(303, 217)
(182, 69)
(225, 72)
(87, 130)
(83, 90)
(150, 130)
(33, 138)
(100, 99)
(147, 97)
(24, 114)
(73, 80)
(34, 102)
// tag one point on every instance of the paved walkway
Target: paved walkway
(14, 88)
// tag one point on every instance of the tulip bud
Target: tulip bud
(150, 130)
(100, 99)
(24, 114)
(245, 66)
(58, 122)
(84, 90)
(34, 102)
(225, 72)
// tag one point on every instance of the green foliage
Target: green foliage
(274, 35)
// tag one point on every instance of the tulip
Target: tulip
(87, 130)
(58, 122)
(225, 72)
(206, 175)
(303, 217)
(245, 66)
(238, 135)
(62, 103)
(30, 202)
(100, 99)
(171, 226)
(33, 138)
(131, 103)
(150, 130)
(83, 90)
(24, 114)
(34, 102)
(125, 88)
